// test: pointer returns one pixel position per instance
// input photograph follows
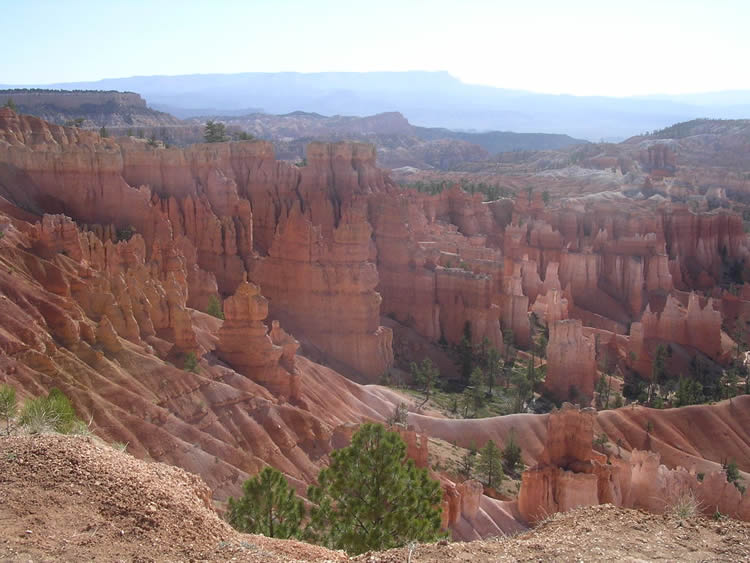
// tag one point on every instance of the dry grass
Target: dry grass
(685, 507)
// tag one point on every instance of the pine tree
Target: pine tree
(268, 506)
(512, 462)
(214, 132)
(490, 464)
(372, 498)
(466, 354)
(214, 308)
(425, 376)
(492, 368)
(476, 389)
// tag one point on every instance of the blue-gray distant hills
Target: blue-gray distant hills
(428, 99)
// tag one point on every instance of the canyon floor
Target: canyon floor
(77, 498)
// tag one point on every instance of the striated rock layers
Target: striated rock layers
(695, 326)
(222, 206)
(328, 289)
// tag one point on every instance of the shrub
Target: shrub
(52, 413)
(191, 362)
(125, 234)
(399, 416)
(8, 405)
(685, 507)
(268, 506)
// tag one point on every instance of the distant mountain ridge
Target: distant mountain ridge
(429, 99)
(382, 130)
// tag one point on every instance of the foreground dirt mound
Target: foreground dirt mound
(597, 533)
(70, 498)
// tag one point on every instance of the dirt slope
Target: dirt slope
(598, 533)
(72, 499)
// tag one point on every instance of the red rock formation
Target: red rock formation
(567, 475)
(571, 362)
(244, 343)
(697, 327)
(327, 291)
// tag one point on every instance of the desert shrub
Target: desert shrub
(8, 405)
(268, 506)
(600, 442)
(684, 507)
(191, 362)
(399, 416)
(120, 446)
(733, 474)
(53, 413)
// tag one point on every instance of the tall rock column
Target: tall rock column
(571, 362)
(326, 292)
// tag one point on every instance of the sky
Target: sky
(580, 47)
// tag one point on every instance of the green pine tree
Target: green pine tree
(372, 498)
(490, 464)
(268, 506)
(214, 132)
(214, 308)
(492, 368)
(512, 462)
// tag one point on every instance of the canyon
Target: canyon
(330, 275)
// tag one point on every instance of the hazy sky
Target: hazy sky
(575, 46)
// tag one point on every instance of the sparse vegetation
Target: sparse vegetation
(685, 506)
(399, 417)
(491, 192)
(732, 473)
(191, 362)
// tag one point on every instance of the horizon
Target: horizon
(576, 49)
(60, 85)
